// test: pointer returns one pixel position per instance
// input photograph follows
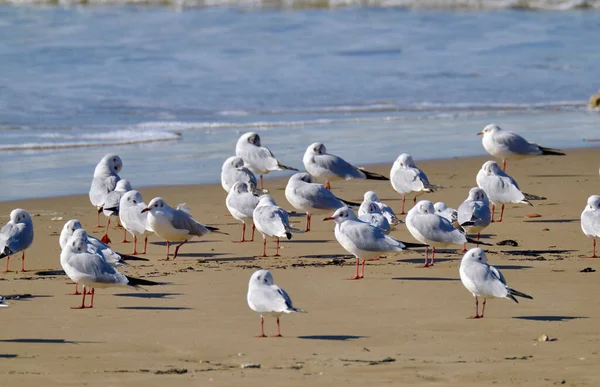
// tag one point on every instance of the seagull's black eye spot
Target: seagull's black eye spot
(479, 258)
(258, 278)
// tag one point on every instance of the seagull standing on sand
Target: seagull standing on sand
(133, 219)
(106, 176)
(433, 230)
(446, 212)
(233, 170)
(241, 204)
(111, 206)
(408, 180)
(91, 270)
(174, 224)
(590, 221)
(386, 210)
(273, 221)
(265, 297)
(507, 145)
(257, 158)
(483, 280)
(311, 198)
(475, 213)
(324, 166)
(501, 188)
(375, 218)
(363, 240)
(16, 236)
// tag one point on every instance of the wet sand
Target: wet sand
(402, 324)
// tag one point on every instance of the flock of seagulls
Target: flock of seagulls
(91, 263)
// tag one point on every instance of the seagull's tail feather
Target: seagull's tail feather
(470, 240)
(526, 202)
(215, 230)
(6, 252)
(125, 257)
(431, 187)
(285, 167)
(512, 293)
(100, 209)
(295, 310)
(114, 210)
(349, 203)
(551, 151)
(533, 197)
(373, 175)
(138, 282)
(410, 245)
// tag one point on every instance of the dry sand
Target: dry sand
(200, 325)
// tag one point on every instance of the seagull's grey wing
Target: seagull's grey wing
(183, 221)
(498, 274)
(516, 143)
(101, 186)
(485, 280)
(465, 211)
(319, 197)
(112, 199)
(436, 228)
(422, 177)
(134, 219)
(15, 237)
(368, 238)
(338, 166)
(500, 189)
(268, 298)
(407, 180)
(94, 268)
(273, 220)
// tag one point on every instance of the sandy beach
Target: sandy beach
(402, 324)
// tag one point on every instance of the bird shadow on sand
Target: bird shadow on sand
(199, 255)
(535, 253)
(306, 241)
(425, 279)
(549, 318)
(155, 308)
(552, 221)
(8, 355)
(512, 267)
(50, 272)
(232, 259)
(188, 243)
(24, 297)
(332, 337)
(558, 175)
(422, 260)
(483, 236)
(327, 256)
(148, 295)
(45, 341)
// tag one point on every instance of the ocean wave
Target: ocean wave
(552, 5)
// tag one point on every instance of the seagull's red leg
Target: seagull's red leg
(264, 246)
(168, 248)
(501, 213)
(124, 236)
(464, 250)
(134, 245)
(23, 263)
(590, 256)
(243, 233)
(493, 210)
(76, 289)
(476, 308)
(98, 220)
(356, 276)
(7, 259)
(253, 228)
(327, 185)
(177, 248)
(504, 169)
(276, 248)
(261, 182)
(478, 238)
(432, 256)
(362, 271)
(262, 327)
(426, 257)
(278, 329)
(483, 308)
(145, 244)
(403, 200)
(307, 222)
(415, 201)
(105, 238)
(82, 301)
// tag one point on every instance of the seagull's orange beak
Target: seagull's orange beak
(329, 218)
(145, 210)
(480, 133)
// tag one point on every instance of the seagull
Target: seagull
(590, 221)
(475, 213)
(233, 170)
(375, 218)
(16, 236)
(257, 158)
(324, 166)
(483, 280)
(501, 188)
(2, 303)
(241, 204)
(271, 220)
(311, 198)
(446, 212)
(426, 226)
(510, 146)
(111, 206)
(363, 240)
(106, 176)
(408, 180)
(133, 219)
(265, 297)
(386, 210)
(174, 224)
(90, 269)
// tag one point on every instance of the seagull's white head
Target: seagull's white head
(475, 255)
(233, 162)
(424, 207)
(370, 196)
(593, 203)
(440, 206)
(341, 215)
(155, 204)
(477, 193)
(373, 208)
(251, 138)
(405, 161)
(71, 226)
(123, 186)
(239, 187)
(109, 164)
(490, 168)
(78, 241)
(490, 130)
(316, 148)
(131, 198)
(302, 176)
(261, 277)
(19, 215)
(266, 200)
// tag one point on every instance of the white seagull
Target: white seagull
(257, 158)
(375, 218)
(408, 180)
(386, 210)
(507, 145)
(474, 213)
(233, 170)
(312, 198)
(363, 240)
(106, 176)
(501, 188)
(590, 221)
(90, 269)
(174, 224)
(266, 298)
(16, 236)
(133, 219)
(324, 166)
(273, 221)
(483, 280)
(426, 226)
(446, 212)
(111, 206)
(241, 204)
